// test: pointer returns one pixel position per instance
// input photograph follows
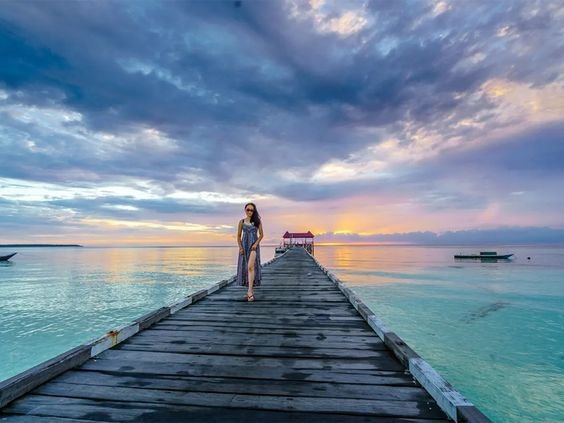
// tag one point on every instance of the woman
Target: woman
(248, 265)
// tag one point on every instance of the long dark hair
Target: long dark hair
(255, 218)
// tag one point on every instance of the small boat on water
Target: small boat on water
(8, 257)
(487, 255)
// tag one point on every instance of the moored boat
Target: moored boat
(488, 255)
(8, 257)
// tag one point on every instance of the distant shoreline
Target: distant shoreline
(320, 245)
(38, 245)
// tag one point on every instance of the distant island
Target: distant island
(38, 245)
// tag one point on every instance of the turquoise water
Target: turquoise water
(494, 330)
(53, 299)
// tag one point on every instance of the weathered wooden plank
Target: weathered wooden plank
(402, 351)
(19, 384)
(219, 328)
(288, 344)
(150, 318)
(296, 294)
(213, 325)
(274, 285)
(470, 414)
(263, 309)
(40, 407)
(299, 363)
(246, 309)
(280, 322)
(269, 308)
(280, 285)
(276, 303)
(283, 320)
(310, 299)
(246, 386)
(256, 351)
(325, 287)
(283, 290)
(280, 282)
(420, 409)
(206, 302)
(267, 339)
(268, 316)
(366, 377)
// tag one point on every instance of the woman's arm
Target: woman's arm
(261, 235)
(239, 230)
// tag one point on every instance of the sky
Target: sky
(154, 123)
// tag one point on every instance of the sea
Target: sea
(494, 330)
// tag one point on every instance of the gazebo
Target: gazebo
(300, 239)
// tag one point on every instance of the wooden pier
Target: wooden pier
(305, 350)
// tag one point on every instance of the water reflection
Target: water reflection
(52, 299)
(367, 265)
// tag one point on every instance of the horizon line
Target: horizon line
(321, 244)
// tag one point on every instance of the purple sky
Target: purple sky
(150, 122)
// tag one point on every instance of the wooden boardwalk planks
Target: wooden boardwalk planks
(300, 352)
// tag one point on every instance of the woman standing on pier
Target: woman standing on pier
(248, 265)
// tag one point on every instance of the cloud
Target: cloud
(442, 105)
(500, 236)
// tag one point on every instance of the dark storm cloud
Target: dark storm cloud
(24, 63)
(238, 86)
(520, 160)
(539, 150)
(531, 160)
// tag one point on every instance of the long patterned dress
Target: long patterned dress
(249, 238)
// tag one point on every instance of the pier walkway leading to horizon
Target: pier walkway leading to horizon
(300, 352)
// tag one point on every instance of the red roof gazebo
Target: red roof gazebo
(301, 239)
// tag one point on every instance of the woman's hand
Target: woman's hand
(254, 247)
(241, 251)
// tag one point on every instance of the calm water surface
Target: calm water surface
(494, 330)
(53, 299)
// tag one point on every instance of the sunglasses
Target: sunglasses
(251, 210)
